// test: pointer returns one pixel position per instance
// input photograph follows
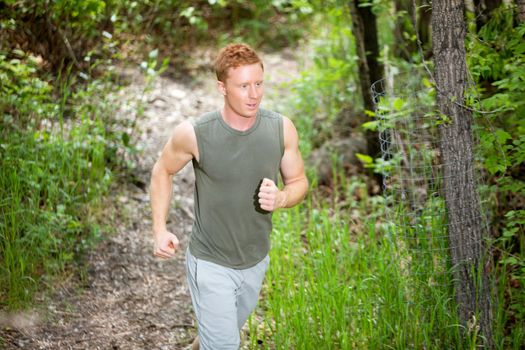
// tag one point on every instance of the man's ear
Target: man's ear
(221, 87)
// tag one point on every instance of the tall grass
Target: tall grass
(57, 150)
(346, 279)
(343, 275)
(45, 182)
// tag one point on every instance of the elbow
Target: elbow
(159, 173)
(155, 171)
(306, 188)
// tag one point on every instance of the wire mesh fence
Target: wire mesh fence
(412, 166)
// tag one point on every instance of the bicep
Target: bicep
(179, 150)
(292, 165)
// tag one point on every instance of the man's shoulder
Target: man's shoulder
(266, 113)
(204, 118)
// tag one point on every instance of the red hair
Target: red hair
(233, 56)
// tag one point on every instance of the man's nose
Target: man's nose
(253, 92)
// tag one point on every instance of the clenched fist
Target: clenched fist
(166, 244)
(270, 198)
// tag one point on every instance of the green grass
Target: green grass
(47, 183)
(343, 281)
(57, 152)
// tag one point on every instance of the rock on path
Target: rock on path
(130, 299)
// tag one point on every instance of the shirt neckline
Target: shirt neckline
(240, 132)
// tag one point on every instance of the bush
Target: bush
(497, 63)
(56, 164)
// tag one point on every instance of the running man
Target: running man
(237, 153)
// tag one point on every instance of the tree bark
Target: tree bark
(370, 69)
(423, 26)
(520, 4)
(465, 222)
(406, 12)
(482, 10)
(401, 47)
(369, 21)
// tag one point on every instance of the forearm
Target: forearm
(160, 196)
(293, 193)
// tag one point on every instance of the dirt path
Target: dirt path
(131, 300)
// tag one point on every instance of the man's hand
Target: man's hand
(166, 244)
(270, 198)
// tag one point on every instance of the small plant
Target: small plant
(57, 159)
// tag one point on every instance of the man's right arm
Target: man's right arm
(178, 151)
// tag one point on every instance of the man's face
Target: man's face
(243, 89)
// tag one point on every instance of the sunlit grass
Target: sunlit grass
(330, 287)
(46, 181)
(54, 171)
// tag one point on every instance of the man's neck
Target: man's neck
(236, 121)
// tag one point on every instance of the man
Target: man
(237, 153)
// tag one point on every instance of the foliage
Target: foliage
(58, 150)
(315, 107)
(497, 63)
(328, 84)
(59, 31)
(341, 277)
(25, 97)
(346, 283)
(66, 32)
(60, 147)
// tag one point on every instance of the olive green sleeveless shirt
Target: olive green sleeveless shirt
(230, 228)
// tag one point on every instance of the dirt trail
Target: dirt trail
(132, 300)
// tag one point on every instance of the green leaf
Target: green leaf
(398, 104)
(187, 12)
(443, 119)
(510, 260)
(153, 53)
(372, 125)
(510, 233)
(426, 83)
(364, 158)
(125, 138)
(511, 214)
(370, 113)
(502, 136)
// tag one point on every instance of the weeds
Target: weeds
(55, 167)
(332, 287)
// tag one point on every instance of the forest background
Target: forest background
(62, 150)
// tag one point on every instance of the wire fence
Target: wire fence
(413, 180)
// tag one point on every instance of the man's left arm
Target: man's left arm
(292, 173)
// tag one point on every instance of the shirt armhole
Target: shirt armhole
(200, 149)
(281, 134)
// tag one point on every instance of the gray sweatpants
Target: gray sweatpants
(222, 298)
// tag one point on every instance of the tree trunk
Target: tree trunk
(482, 10)
(465, 223)
(520, 11)
(423, 26)
(402, 47)
(405, 12)
(370, 70)
(369, 21)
